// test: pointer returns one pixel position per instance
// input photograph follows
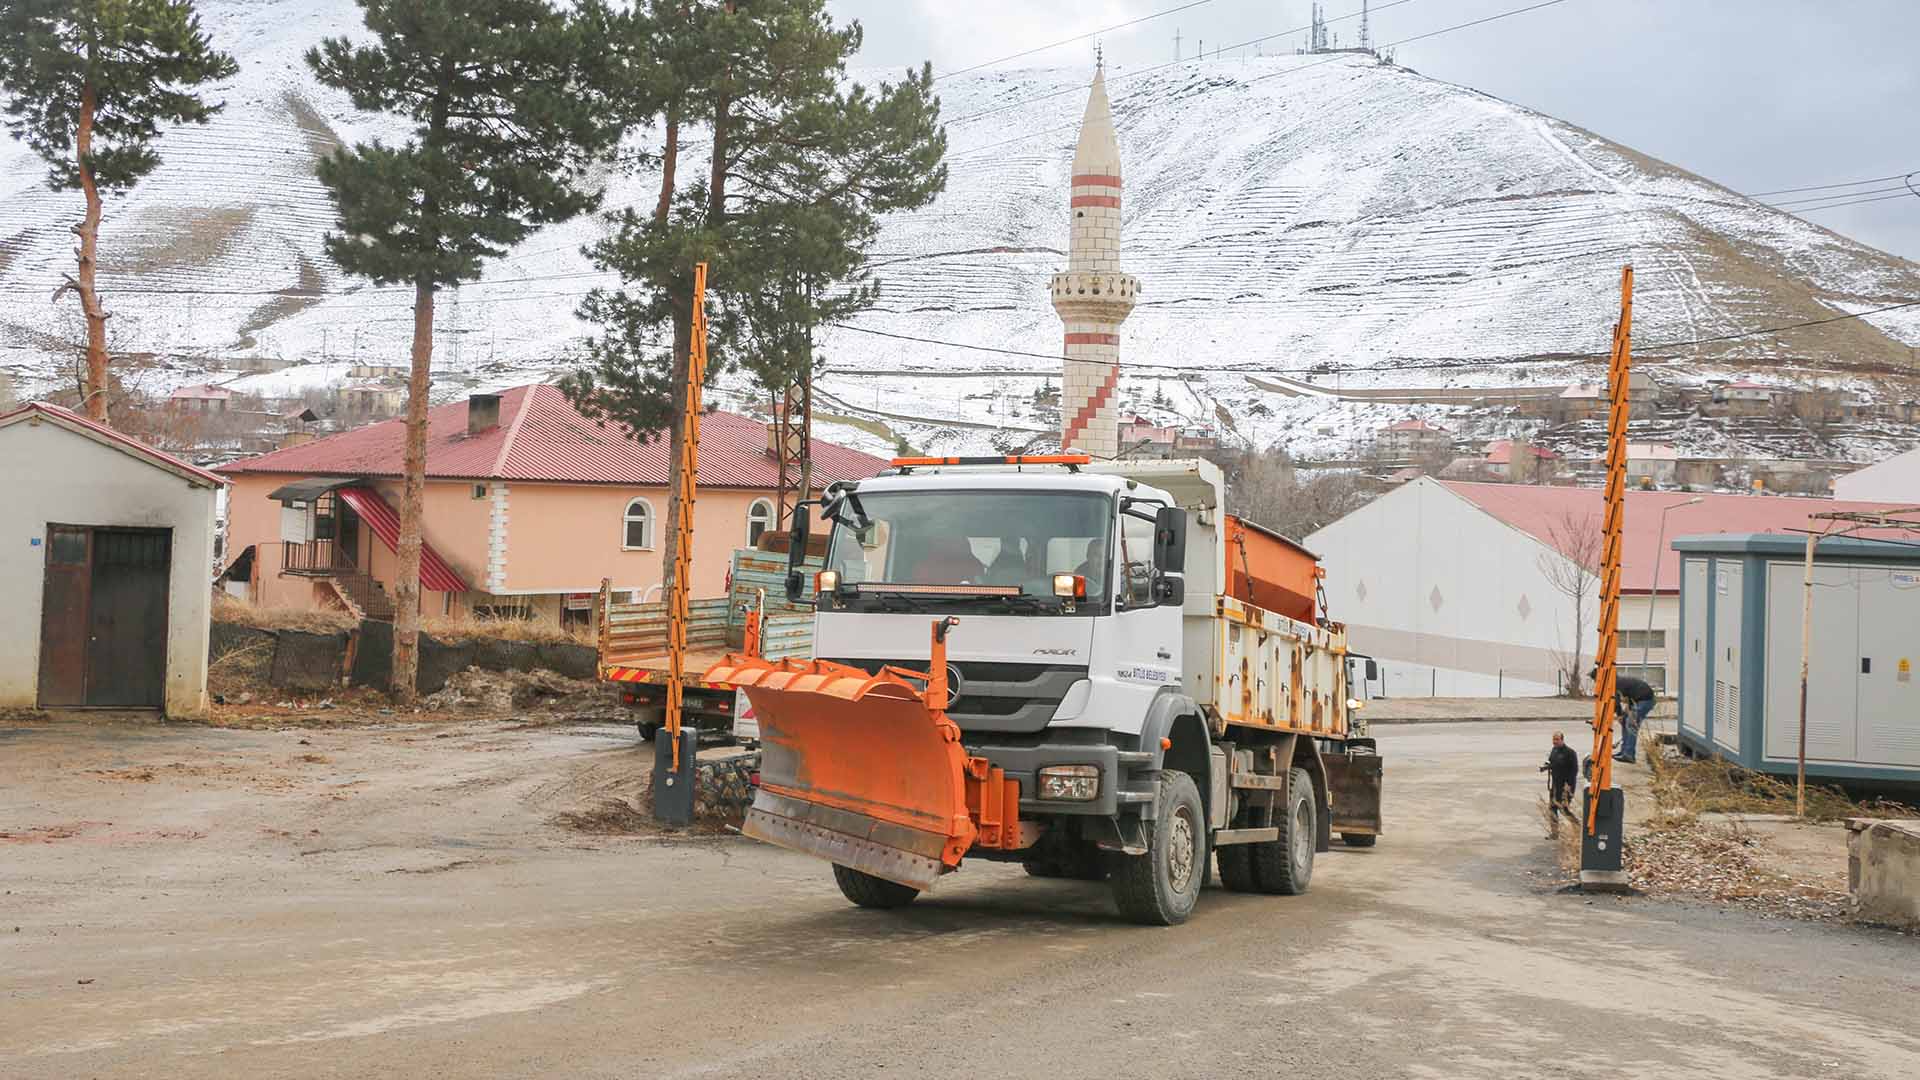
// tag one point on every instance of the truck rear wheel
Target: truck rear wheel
(1283, 867)
(1236, 868)
(872, 892)
(1161, 887)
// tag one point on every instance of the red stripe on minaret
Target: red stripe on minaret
(1093, 339)
(1087, 412)
(1099, 179)
(1096, 200)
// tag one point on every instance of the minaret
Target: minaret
(1092, 296)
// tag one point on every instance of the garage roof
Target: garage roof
(37, 411)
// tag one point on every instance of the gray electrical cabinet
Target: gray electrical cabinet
(1740, 632)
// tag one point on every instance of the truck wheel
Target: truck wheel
(647, 731)
(1236, 868)
(1353, 839)
(1161, 887)
(872, 892)
(1284, 866)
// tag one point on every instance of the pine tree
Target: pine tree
(502, 95)
(88, 84)
(801, 164)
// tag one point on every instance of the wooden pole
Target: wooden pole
(1605, 686)
(678, 605)
(1806, 650)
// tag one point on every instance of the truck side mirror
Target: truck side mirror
(1170, 540)
(797, 555)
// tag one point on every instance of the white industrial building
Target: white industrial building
(105, 569)
(1895, 480)
(1457, 588)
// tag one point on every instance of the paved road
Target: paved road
(401, 910)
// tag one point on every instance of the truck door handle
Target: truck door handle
(1163, 654)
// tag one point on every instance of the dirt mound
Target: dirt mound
(503, 692)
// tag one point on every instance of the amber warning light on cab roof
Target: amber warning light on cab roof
(1071, 461)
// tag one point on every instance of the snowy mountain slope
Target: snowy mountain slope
(1285, 213)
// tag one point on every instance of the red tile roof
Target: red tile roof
(1500, 452)
(1538, 511)
(100, 433)
(542, 437)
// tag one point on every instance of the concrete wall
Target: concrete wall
(1883, 870)
(52, 475)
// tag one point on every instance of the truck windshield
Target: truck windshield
(977, 538)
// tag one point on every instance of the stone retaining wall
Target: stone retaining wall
(317, 662)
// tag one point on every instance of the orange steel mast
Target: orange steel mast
(677, 602)
(1604, 683)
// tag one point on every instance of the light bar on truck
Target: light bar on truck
(1071, 461)
(943, 590)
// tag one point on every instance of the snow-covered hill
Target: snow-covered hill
(1282, 213)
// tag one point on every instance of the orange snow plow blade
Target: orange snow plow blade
(866, 771)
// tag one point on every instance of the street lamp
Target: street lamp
(1653, 595)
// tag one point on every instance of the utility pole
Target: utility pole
(1176, 43)
(1600, 848)
(1366, 35)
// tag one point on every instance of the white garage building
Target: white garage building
(106, 565)
(1455, 588)
(1896, 479)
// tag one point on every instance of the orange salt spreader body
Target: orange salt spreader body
(1270, 571)
(866, 770)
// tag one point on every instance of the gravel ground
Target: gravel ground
(399, 899)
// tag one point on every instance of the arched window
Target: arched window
(638, 532)
(759, 520)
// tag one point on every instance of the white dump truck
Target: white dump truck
(1090, 669)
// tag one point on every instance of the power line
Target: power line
(1423, 365)
(1823, 187)
(1901, 188)
(1076, 37)
(1262, 78)
(1855, 202)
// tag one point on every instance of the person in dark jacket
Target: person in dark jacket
(1636, 701)
(1562, 766)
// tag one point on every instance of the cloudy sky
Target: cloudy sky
(1759, 95)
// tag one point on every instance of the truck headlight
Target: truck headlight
(1070, 783)
(1355, 704)
(1070, 586)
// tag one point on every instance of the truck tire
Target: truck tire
(1354, 839)
(1161, 887)
(647, 731)
(1236, 868)
(868, 891)
(1283, 867)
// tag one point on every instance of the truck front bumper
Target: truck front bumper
(1123, 781)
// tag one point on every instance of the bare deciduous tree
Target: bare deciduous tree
(1267, 489)
(1572, 569)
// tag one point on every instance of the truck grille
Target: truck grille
(997, 696)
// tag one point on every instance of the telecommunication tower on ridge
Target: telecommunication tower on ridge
(1366, 36)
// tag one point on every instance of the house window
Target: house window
(638, 532)
(479, 491)
(1643, 639)
(759, 520)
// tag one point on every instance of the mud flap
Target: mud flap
(1353, 784)
(855, 768)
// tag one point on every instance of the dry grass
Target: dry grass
(228, 608)
(1683, 789)
(243, 670)
(466, 626)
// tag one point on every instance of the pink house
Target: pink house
(204, 398)
(529, 505)
(1511, 460)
